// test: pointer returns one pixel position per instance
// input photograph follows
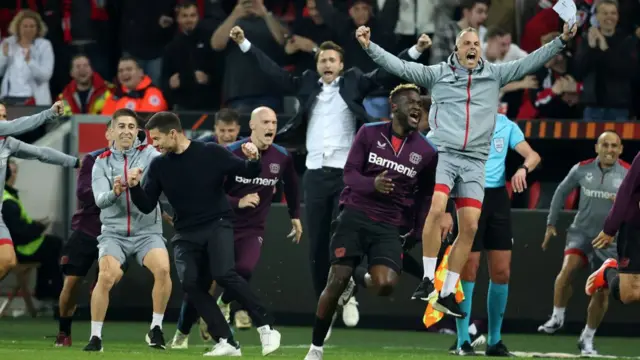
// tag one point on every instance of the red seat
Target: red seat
(572, 200)
(534, 195)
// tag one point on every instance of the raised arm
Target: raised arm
(410, 71)
(46, 155)
(281, 77)
(354, 166)
(570, 182)
(103, 194)
(234, 165)
(28, 123)
(516, 70)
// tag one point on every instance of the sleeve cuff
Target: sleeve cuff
(414, 53)
(245, 45)
(112, 197)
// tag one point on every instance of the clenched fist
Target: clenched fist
(58, 108)
(424, 42)
(134, 176)
(363, 34)
(118, 187)
(237, 34)
(250, 151)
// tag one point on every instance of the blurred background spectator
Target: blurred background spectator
(87, 91)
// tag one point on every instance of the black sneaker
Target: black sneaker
(499, 349)
(155, 338)
(95, 344)
(465, 350)
(477, 339)
(424, 291)
(449, 306)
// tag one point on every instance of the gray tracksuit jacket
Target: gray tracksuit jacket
(13, 147)
(118, 214)
(598, 188)
(464, 103)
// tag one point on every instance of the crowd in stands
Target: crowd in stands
(152, 55)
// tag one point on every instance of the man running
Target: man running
(127, 231)
(464, 91)
(204, 233)
(81, 250)
(621, 278)
(13, 147)
(390, 168)
(251, 200)
(598, 180)
(494, 235)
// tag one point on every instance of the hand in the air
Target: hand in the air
(424, 42)
(568, 34)
(237, 34)
(363, 34)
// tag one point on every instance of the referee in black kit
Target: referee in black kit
(191, 175)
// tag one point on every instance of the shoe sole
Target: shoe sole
(444, 310)
(347, 293)
(430, 297)
(548, 331)
(155, 346)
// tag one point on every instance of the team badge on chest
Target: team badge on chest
(274, 168)
(415, 158)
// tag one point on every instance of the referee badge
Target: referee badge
(498, 144)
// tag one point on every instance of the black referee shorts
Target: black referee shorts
(78, 254)
(494, 227)
(629, 249)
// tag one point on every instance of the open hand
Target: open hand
(383, 184)
(237, 34)
(363, 34)
(296, 231)
(602, 240)
(165, 21)
(568, 34)
(519, 180)
(250, 151)
(249, 201)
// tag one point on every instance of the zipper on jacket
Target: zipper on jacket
(127, 197)
(466, 128)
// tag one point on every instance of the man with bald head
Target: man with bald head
(250, 200)
(464, 91)
(598, 180)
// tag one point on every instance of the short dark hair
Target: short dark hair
(495, 31)
(330, 45)
(164, 122)
(227, 116)
(401, 89)
(425, 101)
(129, 58)
(186, 5)
(469, 4)
(126, 112)
(609, 2)
(78, 56)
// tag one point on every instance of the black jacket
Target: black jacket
(607, 76)
(21, 232)
(354, 86)
(185, 54)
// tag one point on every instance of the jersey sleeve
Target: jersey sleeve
(624, 198)
(570, 182)
(516, 136)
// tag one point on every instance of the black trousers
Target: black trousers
(208, 254)
(322, 188)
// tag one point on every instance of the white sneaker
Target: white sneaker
(223, 348)
(551, 326)
(586, 346)
(333, 320)
(314, 354)
(180, 341)
(269, 338)
(350, 313)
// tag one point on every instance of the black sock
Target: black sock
(320, 329)
(610, 274)
(614, 288)
(65, 325)
(359, 275)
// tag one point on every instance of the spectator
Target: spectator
(225, 129)
(557, 95)
(147, 26)
(189, 66)
(414, 19)
(382, 26)
(135, 90)
(308, 32)
(607, 64)
(87, 91)
(474, 13)
(26, 61)
(245, 87)
(31, 243)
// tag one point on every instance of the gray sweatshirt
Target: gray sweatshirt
(598, 187)
(118, 214)
(464, 103)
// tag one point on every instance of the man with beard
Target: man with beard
(390, 167)
(465, 92)
(598, 180)
(87, 92)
